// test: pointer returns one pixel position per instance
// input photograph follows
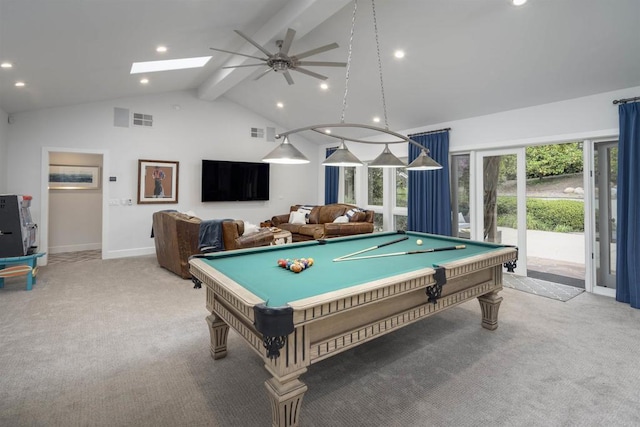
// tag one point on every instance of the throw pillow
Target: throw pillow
(342, 218)
(297, 218)
(250, 228)
(356, 215)
(306, 210)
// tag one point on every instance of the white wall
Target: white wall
(586, 118)
(185, 129)
(3, 151)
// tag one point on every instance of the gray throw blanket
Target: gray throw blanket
(210, 236)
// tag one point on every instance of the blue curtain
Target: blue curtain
(628, 194)
(331, 177)
(429, 199)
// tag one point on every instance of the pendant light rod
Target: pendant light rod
(342, 156)
(322, 127)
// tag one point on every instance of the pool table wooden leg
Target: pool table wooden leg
(286, 399)
(219, 332)
(490, 304)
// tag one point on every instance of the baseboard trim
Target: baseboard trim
(125, 253)
(74, 248)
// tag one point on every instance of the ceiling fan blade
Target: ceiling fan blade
(310, 73)
(263, 74)
(323, 63)
(288, 77)
(247, 65)
(236, 53)
(316, 50)
(288, 39)
(250, 40)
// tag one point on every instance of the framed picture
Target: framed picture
(71, 177)
(157, 181)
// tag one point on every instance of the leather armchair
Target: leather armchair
(176, 237)
(233, 238)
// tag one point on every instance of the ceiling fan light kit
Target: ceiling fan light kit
(281, 62)
(342, 156)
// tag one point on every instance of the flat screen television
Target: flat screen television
(224, 181)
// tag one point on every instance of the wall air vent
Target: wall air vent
(257, 133)
(140, 119)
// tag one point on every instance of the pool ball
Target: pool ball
(419, 242)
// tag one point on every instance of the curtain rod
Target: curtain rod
(624, 101)
(428, 132)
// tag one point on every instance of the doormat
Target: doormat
(539, 287)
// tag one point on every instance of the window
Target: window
(375, 186)
(402, 188)
(349, 182)
(460, 195)
(400, 222)
(378, 222)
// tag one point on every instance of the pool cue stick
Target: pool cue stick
(372, 248)
(421, 251)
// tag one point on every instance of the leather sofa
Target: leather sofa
(176, 236)
(319, 223)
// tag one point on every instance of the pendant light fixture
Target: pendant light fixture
(285, 153)
(342, 156)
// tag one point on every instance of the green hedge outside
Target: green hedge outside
(563, 216)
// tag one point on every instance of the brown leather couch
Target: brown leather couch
(320, 222)
(176, 237)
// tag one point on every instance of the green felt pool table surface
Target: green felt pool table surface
(258, 272)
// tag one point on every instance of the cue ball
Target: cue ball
(419, 242)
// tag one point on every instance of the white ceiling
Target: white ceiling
(464, 58)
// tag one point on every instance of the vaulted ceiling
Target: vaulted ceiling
(464, 58)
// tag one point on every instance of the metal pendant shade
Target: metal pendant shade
(424, 163)
(287, 154)
(342, 157)
(386, 160)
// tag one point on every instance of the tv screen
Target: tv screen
(224, 181)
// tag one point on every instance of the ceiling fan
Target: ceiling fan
(281, 62)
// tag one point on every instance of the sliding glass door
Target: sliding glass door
(606, 180)
(500, 200)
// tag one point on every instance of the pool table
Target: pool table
(293, 320)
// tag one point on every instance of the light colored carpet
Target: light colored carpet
(124, 343)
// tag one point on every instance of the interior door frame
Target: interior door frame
(477, 218)
(43, 227)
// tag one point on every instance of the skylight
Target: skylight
(169, 64)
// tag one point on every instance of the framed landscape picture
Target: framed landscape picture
(157, 181)
(70, 177)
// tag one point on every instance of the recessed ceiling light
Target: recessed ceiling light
(376, 119)
(6, 65)
(324, 86)
(280, 105)
(20, 84)
(161, 49)
(144, 81)
(327, 131)
(518, 2)
(170, 64)
(399, 54)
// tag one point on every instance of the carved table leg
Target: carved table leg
(286, 401)
(490, 304)
(219, 331)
